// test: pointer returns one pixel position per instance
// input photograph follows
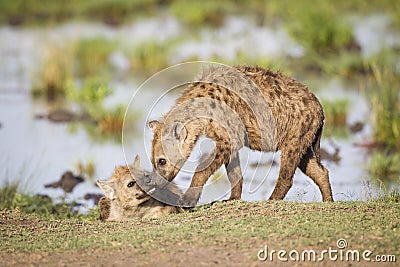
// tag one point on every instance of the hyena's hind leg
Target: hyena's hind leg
(310, 165)
(235, 176)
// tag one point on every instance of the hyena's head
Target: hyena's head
(123, 190)
(169, 147)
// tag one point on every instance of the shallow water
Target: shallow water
(37, 152)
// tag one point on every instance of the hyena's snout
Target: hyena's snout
(147, 184)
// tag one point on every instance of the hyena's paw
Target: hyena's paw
(190, 198)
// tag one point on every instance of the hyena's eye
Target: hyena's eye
(131, 184)
(162, 162)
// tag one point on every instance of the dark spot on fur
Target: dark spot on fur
(212, 105)
(305, 101)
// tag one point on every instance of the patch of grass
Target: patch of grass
(88, 169)
(151, 56)
(113, 12)
(392, 196)
(117, 12)
(10, 199)
(385, 102)
(92, 56)
(91, 94)
(336, 111)
(321, 31)
(346, 65)
(54, 73)
(108, 122)
(335, 117)
(384, 166)
(199, 13)
(316, 25)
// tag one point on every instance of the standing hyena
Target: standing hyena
(236, 107)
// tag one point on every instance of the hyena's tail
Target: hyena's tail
(316, 143)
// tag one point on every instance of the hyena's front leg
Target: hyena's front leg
(203, 172)
(235, 176)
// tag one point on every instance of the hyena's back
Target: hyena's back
(294, 111)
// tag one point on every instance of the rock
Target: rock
(67, 182)
(94, 197)
(356, 127)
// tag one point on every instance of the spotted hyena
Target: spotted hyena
(242, 106)
(130, 193)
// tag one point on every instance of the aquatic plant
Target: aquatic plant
(11, 199)
(91, 93)
(113, 12)
(102, 122)
(335, 117)
(384, 166)
(385, 103)
(91, 56)
(87, 169)
(200, 13)
(320, 30)
(335, 111)
(54, 73)
(110, 124)
(151, 56)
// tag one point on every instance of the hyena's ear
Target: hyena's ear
(180, 132)
(153, 125)
(108, 188)
(136, 163)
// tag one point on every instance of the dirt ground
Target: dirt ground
(129, 257)
(193, 256)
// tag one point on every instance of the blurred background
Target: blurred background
(68, 70)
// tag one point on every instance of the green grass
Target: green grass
(320, 30)
(103, 123)
(385, 102)
(54, 73)
(11, 199)
(384, 166)
(151, 56)
(113, 12)
(91, 56)
(335, 117)
(199, 13)
(237, 224)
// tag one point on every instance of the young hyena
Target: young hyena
(130, 193)
(242, 106)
